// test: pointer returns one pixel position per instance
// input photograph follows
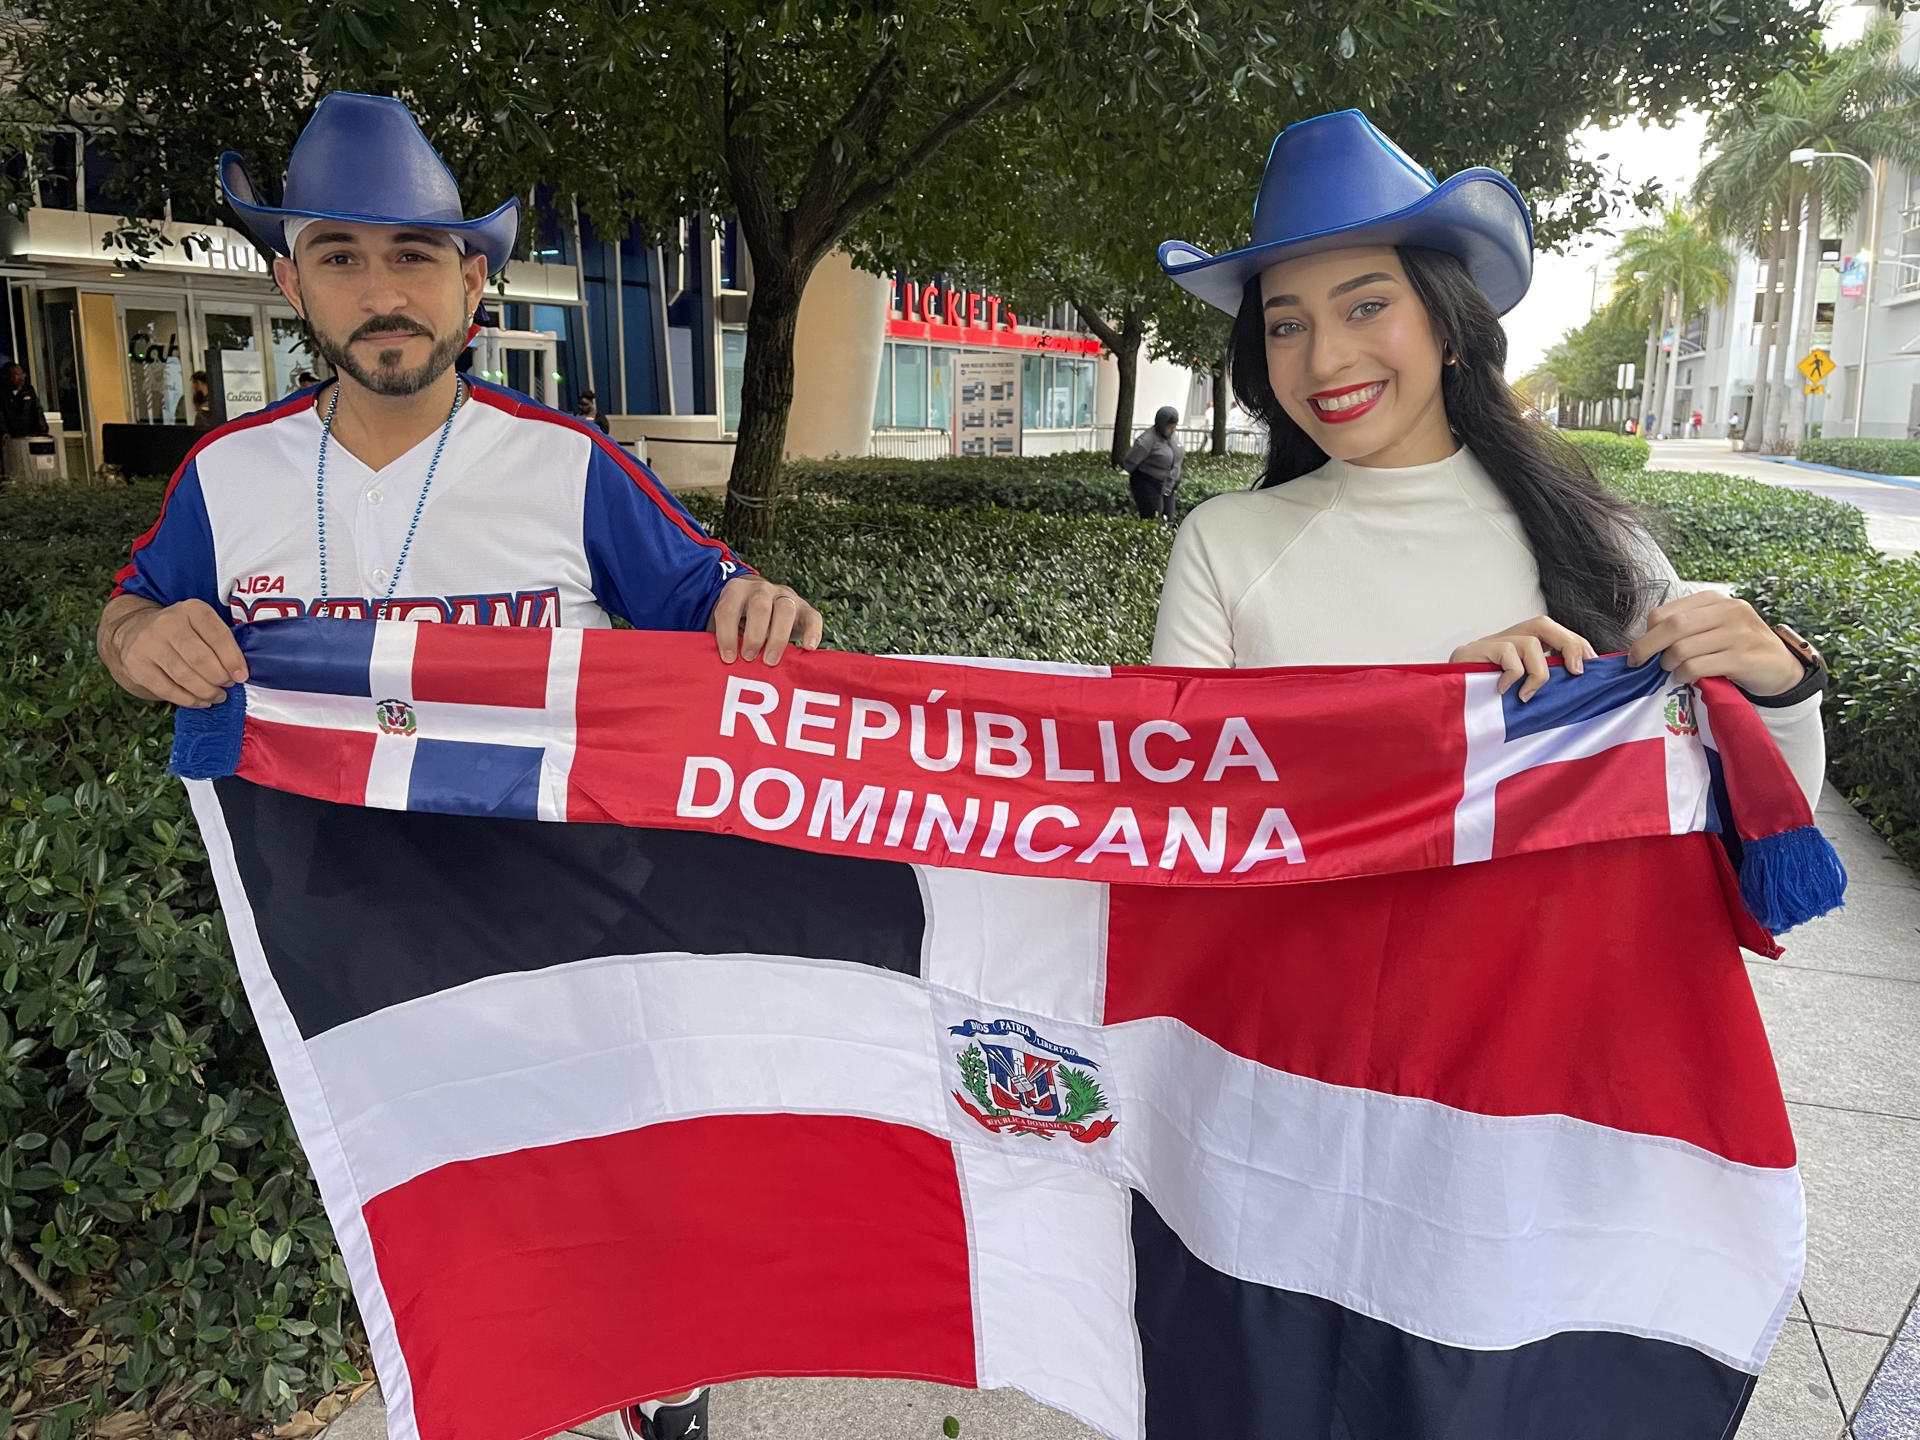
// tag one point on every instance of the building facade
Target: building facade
(1867, 318)
(113, 340)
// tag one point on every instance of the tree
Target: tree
(805, 119)
(1194, 334)
(1498, 82)
(1584, 364)
(1665, 270)
(1859, 100)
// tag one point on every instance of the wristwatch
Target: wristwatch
(1812, 682)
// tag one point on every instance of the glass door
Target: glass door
(234, 329)
(155, 341)
(295, 363)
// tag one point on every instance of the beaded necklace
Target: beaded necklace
(320, 493)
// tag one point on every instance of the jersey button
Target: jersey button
(380, 577)
(373, 497)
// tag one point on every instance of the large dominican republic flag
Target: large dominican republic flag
(973, 1023)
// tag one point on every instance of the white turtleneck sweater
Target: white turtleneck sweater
(1356, 566)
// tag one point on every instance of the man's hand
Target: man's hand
(1521, 653)
(1714, 634)
(184, 654)
(756, 619)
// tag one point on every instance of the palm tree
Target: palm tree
(1666, 270)
(1859, 100)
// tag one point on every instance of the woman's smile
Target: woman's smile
(1336, 407)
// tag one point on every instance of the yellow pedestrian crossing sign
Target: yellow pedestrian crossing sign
(1816, 367)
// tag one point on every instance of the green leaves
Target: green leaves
(1876, 457)
(145, 1146)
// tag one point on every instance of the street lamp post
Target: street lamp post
(1807, 157)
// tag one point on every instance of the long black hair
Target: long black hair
(1580, 533)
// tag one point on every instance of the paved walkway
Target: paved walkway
(1843, 1009)
(1892, 506)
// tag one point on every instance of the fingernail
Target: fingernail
(221, 698)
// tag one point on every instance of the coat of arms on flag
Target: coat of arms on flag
(1025, 1084)
(1363, 1052)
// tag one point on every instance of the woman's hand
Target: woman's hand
(1713, 634)
(1522, 651)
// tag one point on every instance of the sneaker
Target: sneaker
(685, 1421)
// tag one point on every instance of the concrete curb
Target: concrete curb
(1903, 481)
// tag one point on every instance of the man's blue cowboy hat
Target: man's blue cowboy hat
(1335, 181)
(364, 159)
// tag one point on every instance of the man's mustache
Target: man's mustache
(389, 324)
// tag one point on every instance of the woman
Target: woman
(1408, 512)
(1153, 466)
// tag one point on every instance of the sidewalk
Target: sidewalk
(1843, 1009)
(1892, 507)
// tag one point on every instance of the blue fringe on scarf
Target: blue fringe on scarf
(1789, 878)
(206, 743)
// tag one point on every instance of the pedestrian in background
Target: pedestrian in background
(587, 407)
(1693, 425)
(1153, 466)
(20, 412)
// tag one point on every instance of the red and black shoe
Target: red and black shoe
(684, 1421)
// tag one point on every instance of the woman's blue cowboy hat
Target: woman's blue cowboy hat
(364, 159)
(1335, 181)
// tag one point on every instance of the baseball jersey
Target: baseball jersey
(534, 518)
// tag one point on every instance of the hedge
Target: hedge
(1863, 612)
(1606, 451)
(148, 1168)
(1081, 483)
(1714, 527)
(1875, 457)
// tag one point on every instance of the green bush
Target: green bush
(1875, 457)
(1714, 526)
(903, 580)
(1606, 451)
(147, 1167)
(1863, 612)
(1081, 483)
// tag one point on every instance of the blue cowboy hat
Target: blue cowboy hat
(1335, 181)
(364, 159)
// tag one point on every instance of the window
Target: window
(733, 369)
(883, 392)
(1907, 266)
(910, 385)
(1083, 392)
(939, 396)
(100, 168)
(58, 170)
(1030, 387)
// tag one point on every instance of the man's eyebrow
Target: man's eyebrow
(330, 237)
(1342, 288)
(436, 238)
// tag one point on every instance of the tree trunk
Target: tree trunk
(1647, 374)
(1780, 367)
(1665, 361)
(766, 397)
(1808, 296)
(1126, 358)
(1220, 406)
(1671, 368)
(1123, 343)
(1755, 434)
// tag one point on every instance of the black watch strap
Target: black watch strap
(1812, 681)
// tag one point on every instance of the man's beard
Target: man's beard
(387, 378)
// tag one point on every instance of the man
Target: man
(587, 408)
(1153, 466)
(21, 417)
(403, 490)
